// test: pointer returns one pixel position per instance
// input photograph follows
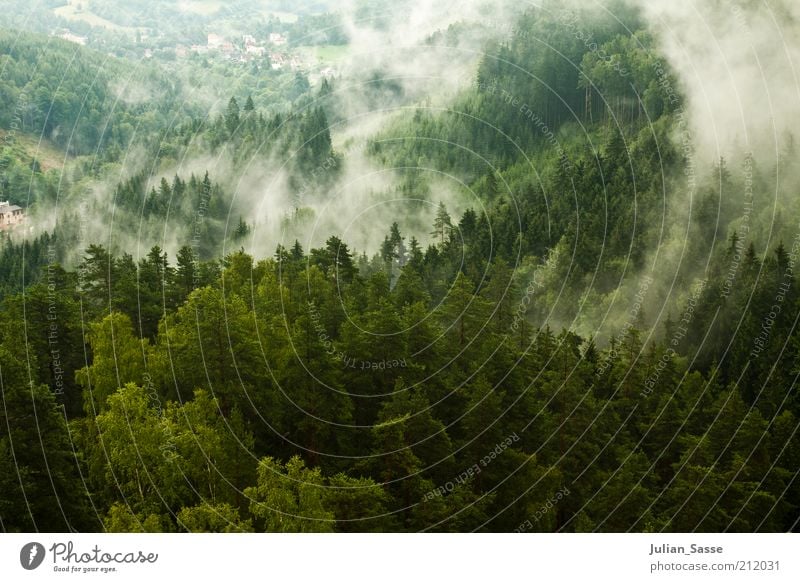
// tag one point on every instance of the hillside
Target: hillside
(485, 277)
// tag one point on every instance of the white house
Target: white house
(11, 216)
(277, 39)
(215, 41)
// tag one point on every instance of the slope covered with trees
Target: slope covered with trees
(251, 395)
(79, 99)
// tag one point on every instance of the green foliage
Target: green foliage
(72, 100)
(264, 362)
(290, 498)
(42, 489)
(420, 389)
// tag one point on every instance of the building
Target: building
(11, 216)
(215, 41)
(258, 51)
(277, 39)
(277, 61)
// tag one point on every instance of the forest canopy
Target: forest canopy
(216, 319)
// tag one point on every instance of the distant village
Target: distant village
(246, 49)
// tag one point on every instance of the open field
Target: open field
(325, 54)
(80, 10)
(202, 7)
(44, 152)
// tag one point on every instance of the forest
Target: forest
(529, 362)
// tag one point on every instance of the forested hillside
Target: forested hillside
(252, 396)
(595, 337)
(81, 100)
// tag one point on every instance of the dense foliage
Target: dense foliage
(81, 100)
(215, 397)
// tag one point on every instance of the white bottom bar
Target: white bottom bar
(402, 557)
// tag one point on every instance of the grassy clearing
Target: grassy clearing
(80, 10)
(287, 17)
(325, 54)
(49, 156)
(202, 7)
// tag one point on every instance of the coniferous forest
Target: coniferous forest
(491, 280)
